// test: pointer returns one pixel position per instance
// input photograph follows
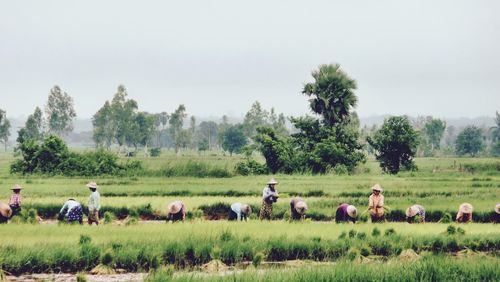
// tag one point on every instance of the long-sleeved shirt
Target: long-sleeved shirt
(376, 204)
(15, 200)
(236, 208)
(68, 206)
(341, 214)
(94, 201)
(269, 194)
(421, 212)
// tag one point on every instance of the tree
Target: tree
(33, 128)
(434, 130)
(331, 94)
(123, 112)
(395, 144)
(176, 132)
(255, 117)
(141, 131)
(4, 128)
(60, 112)
(208, 131)
(495, 136)
(234, 139)
(469, 141)
(103, 123)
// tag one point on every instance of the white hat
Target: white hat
(174, 207)
(497, 208)
(411, 211)
(16, 187)
(246, 209)
(376, 187)
(352, 211)
(465, 208)
(5, 210)
(92, 185)
(272, 181)
(301, 207)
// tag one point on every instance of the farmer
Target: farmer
(464, 214)
(5, 213)
(176, 211)
(298, 208)
(269, 196)
(496, 216)
(346, 213)
(414, 211)
(15, 199)
(94, 203)
(72, 210)
(239, 212)
(376, 204)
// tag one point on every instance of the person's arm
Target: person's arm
(380, 203)
(63, 210)
(97, 201)
(183, 210)
(370, 203)
(459, 215)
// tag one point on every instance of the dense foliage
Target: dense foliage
(395, 144)
(53, 157)
(319, 145)
(469, 141)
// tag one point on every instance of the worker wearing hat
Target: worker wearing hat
(94, 203)
(5, 213)
(15, 199)
(239, 212)
(72, 211)
(176, 211)
(497, 213)
(346, 213)
(269, 197)
(298, 208)
(464, 214)
(414, 211)
(376, 204)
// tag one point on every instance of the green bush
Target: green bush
(250, 167)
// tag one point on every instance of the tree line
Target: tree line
(330, 139)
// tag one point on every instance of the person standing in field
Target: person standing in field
(496, 216)
(376, 204)
(269, 197)
(464, 214)
(414, 211)
(176, 211)
(239, 212)
(15, 199)
(5, 213)
(346, 213)
(72, 211)
(298, 208)
(94, 203)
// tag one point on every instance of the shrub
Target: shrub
(375, 232)
(250, 167)
(155, 152)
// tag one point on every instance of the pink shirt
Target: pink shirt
(15, 200)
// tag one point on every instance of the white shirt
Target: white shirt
(94, 201)
(68, 206)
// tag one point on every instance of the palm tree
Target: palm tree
(332, 94)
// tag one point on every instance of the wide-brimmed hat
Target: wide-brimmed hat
(301, 207)
(16, 187)
(246, 209)
(352, 211)
(376, 187)
(272, 181)
(411, 211)
(497, 208)
(465, 208)
(5, 210)
(92, 185)
(174, 207)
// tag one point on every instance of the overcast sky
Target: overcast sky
(436, 58)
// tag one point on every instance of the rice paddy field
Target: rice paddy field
(135, 239)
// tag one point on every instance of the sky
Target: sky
(437, 58)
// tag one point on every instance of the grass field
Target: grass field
(440, 185)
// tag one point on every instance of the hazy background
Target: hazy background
(435, 58)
